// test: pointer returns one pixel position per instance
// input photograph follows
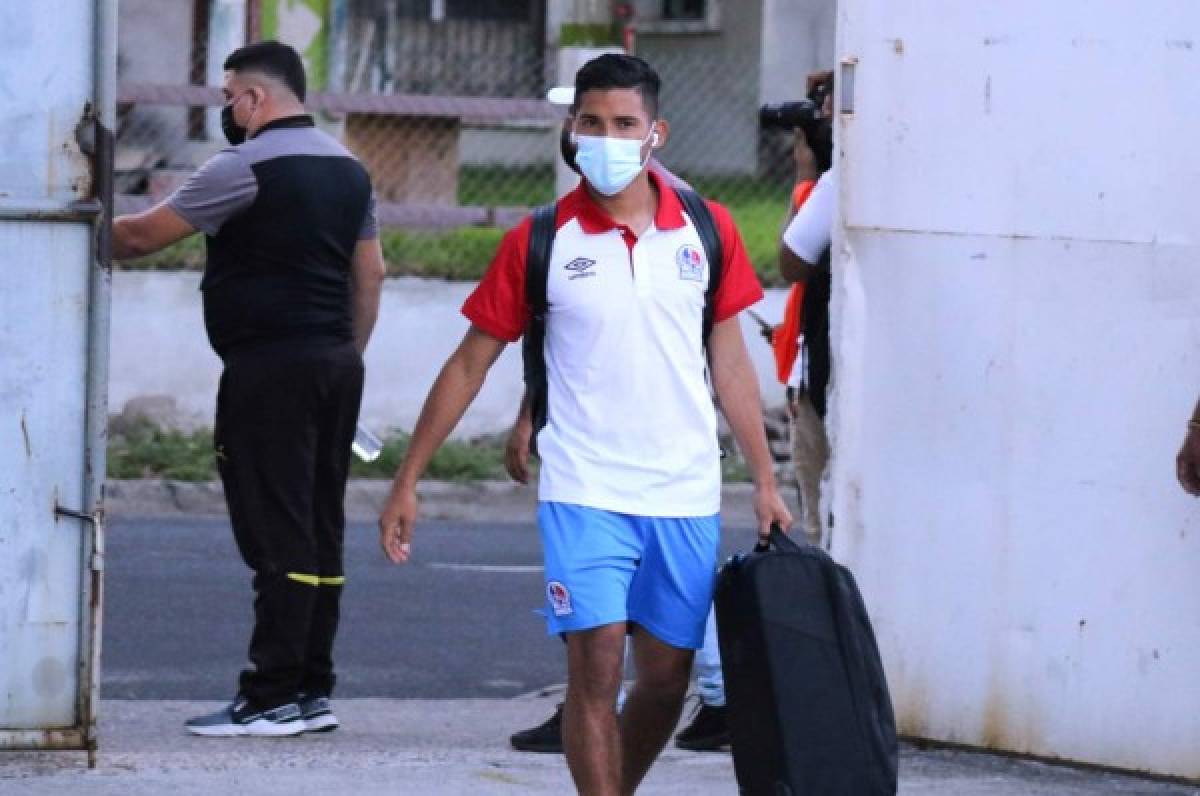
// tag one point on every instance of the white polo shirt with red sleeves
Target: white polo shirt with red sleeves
(630, 426)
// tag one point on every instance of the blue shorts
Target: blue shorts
(603, 567)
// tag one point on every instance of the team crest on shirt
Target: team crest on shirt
(690, 262)
(579, 268)
(560, 598)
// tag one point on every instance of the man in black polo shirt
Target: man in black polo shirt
(291, 292)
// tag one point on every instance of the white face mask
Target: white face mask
(610, 164)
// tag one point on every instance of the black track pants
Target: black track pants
(285, 422)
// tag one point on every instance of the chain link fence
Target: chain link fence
(450, 119)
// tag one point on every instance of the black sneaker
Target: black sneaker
(239, 718)
(546, 737)
(318, 714)
(708, 732)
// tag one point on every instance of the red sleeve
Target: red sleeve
(497, 305)
(739, 286)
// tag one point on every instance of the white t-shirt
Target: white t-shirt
(811, 229)
(631, 426)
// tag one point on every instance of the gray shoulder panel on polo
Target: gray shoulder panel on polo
(290, 141)
(226, 184)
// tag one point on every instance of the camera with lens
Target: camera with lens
(805, 115)
(790, 115)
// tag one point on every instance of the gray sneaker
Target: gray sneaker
(318, 714)
(239, 718)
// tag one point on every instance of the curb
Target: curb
(474, 501)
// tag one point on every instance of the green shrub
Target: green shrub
(505, 186)
(462, 254)
(456, 460)
(575, 34)
(184, 255)
(143, 450)
(734, 469)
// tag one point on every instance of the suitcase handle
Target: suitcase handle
(778, 540)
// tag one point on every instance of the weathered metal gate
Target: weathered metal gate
(57, 90)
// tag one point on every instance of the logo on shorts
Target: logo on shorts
(560, 598)
(691, 263)
(579, 268)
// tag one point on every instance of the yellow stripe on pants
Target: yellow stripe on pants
(317, 580)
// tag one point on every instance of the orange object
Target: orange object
(801, 192)
(785, 339)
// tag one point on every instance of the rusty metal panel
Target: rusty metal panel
(1017, 332)
(57, 91)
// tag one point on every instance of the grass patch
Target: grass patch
(184, 255)
(587, 35)
(456, 460)
(459, 255)
(143, 450)
(462, 254)
(505, 186)
(734, 469)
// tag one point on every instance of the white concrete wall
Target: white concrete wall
(159, 348)
(1017, 315)
(797, 39)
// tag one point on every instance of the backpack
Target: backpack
(537, 273)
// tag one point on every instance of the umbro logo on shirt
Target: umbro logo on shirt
(579, 268)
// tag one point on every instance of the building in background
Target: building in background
(719, 61)
(443, 100)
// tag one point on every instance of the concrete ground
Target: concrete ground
(446, 747)
(437, 746)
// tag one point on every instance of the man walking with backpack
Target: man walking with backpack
(629, 488)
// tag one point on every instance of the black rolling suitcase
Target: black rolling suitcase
(809, 711)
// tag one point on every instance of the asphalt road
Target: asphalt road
(458, 622)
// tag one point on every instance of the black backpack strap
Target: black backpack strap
(537, 272)
(706, 228)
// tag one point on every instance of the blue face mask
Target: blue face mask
(610, 164)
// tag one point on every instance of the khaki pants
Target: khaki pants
(810, 454)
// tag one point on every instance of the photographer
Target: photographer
(802, 343)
